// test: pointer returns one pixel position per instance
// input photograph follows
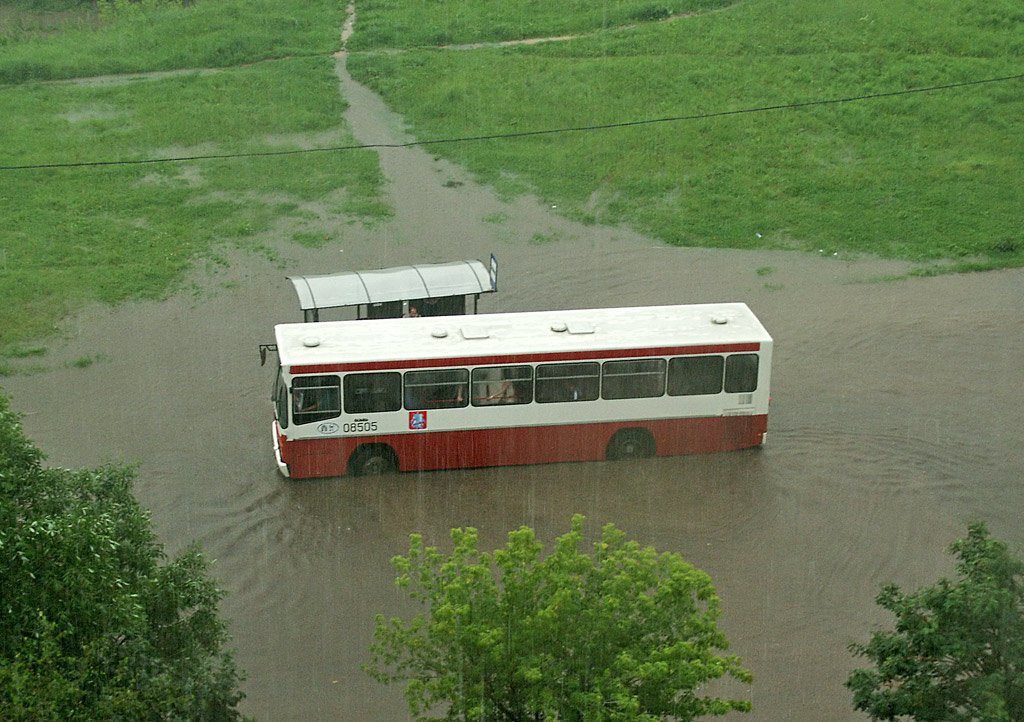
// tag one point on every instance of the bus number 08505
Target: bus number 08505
(359, 426)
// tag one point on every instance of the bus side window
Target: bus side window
(315, 398)
(440, 389)
(373, 392)
(636, 379)
(695, 375)
(568, 382)
(502, 385)
(741, 373)
(281, 402)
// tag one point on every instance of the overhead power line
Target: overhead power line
(523, 134)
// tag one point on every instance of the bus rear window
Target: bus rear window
(494, 385)
(373, 392)
(441, 389)
(641, 378)
(315, 398)
(568, 382)
(695, 375)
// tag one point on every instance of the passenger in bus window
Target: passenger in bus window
(489, 387)
(307, 401)
(503, 395)
(507, 393)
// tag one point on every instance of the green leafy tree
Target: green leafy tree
(95, 622)
(957, 652)
(623, 634)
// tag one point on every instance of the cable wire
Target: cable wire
(522, 134)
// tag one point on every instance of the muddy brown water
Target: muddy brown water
(895, 420)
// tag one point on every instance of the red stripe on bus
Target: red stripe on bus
(523, 358)
(419, 451)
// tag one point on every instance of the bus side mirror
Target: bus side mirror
(264, 347)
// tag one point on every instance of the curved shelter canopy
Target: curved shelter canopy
(394, 285)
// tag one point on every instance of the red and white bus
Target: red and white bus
(371, 396)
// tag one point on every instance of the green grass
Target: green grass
(84, 362)
(23, 21)
(922, 177)
(16, 359)
(110, 233)
(209, 33)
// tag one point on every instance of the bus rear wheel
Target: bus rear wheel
(372, 461)
(630, 444)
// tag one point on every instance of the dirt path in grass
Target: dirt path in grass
(895, 419)
(557, 38)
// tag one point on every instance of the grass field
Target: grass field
(76, 235)
(923, 176)
(931, 177)
(75, 43)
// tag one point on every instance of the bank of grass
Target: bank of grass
(80, 41)
(933, 177)
(108, 233)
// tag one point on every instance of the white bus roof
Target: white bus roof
(353, 288)
(505, 334)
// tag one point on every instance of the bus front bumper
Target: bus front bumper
(281, 466)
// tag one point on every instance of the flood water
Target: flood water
(895, 420)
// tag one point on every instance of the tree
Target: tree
(957, 652)
(624, 634)
(95, 623)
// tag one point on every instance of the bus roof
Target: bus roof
(513, 334)
(428, 280)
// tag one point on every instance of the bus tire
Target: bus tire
(373, 460)
(630, 444)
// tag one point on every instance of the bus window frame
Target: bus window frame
(678, 361)
(420, 395)
(557, 388)
(743, 378)
(379, 391)
(320, 396)
(513, 390)
(661, 374)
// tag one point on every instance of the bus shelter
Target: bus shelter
(433, 289)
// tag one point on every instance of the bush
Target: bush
(96, 623)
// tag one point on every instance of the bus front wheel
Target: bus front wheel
(372, 461)
(630, 444)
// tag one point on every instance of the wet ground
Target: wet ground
(895, 420)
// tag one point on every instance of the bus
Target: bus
(371, 396)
